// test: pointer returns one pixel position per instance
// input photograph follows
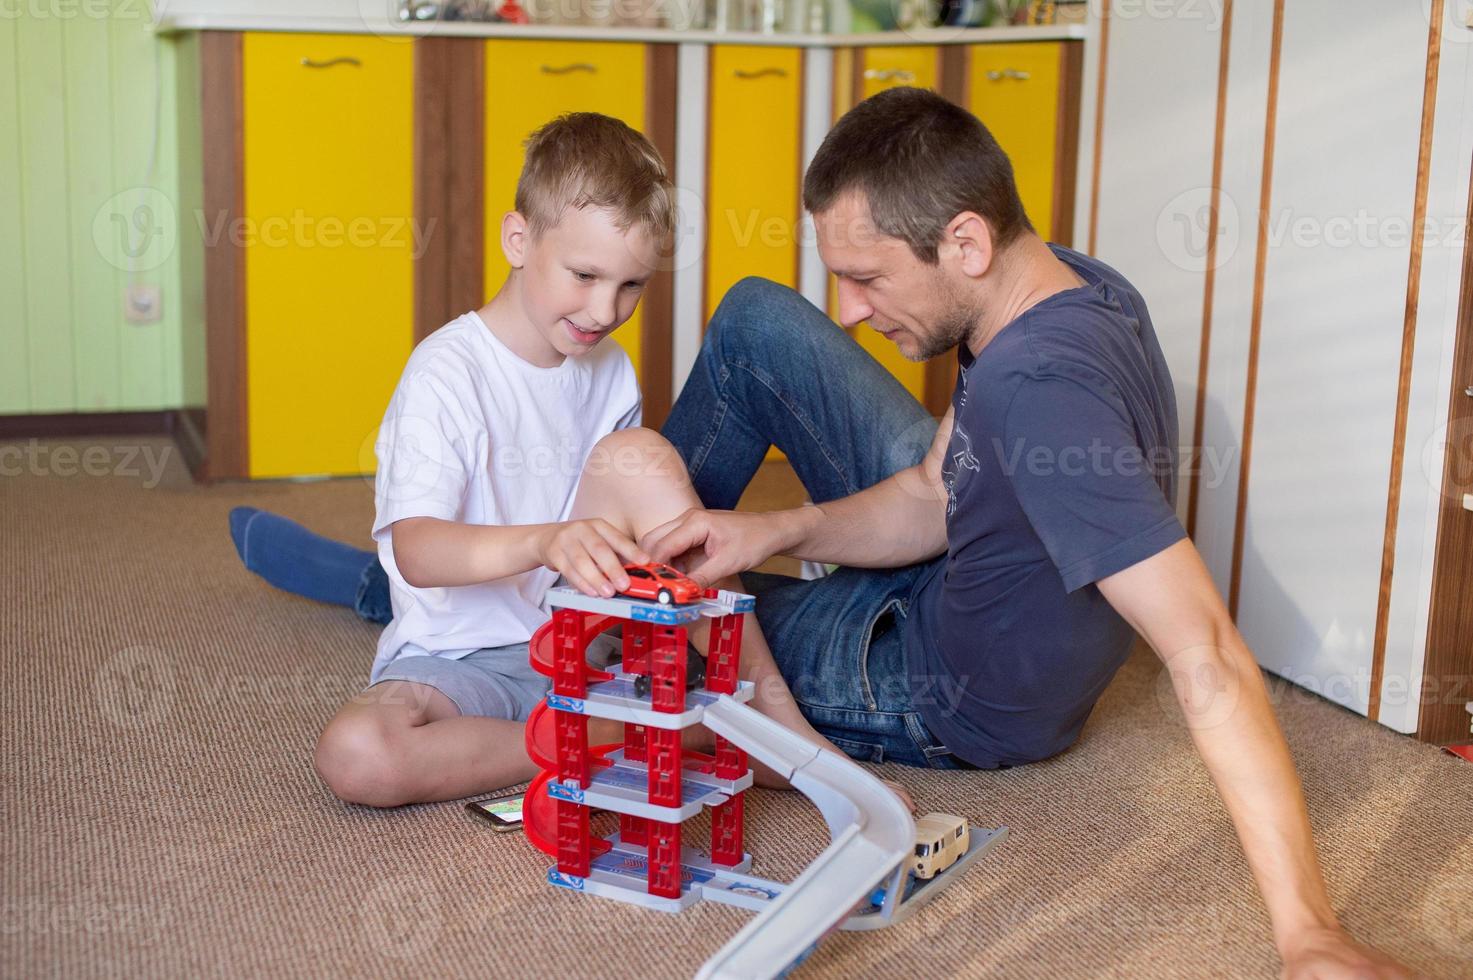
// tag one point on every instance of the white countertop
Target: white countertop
(200, 17)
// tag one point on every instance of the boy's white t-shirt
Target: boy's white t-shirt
(475, 434)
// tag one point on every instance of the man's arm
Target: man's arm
(898, 521)
(1171, 601)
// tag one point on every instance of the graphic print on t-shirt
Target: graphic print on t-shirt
(958, 459)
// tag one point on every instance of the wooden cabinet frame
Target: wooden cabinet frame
(1447, 678)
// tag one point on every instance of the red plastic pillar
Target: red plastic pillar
(667, 694)
(573, 841)
(664, 876)
(636, 647)
(727, 820)
(723, 659)
(633, 830)
(731, 762)
(667, 669)
(727, 831)
(572, 748)
(634, 742)
(569, 654)
(664, 767)
(569, 660)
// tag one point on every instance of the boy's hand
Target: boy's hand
(590, 554)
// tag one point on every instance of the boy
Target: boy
(510, 454)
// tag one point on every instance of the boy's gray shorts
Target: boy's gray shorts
(493, 682)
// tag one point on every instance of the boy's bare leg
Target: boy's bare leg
(637, 481)
(399, 742)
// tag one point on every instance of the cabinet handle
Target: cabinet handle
(760, 73)
(889, 75)
(1468, 391)
(569, 69)
(997, 76)
(309, 63)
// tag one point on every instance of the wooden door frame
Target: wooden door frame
(222, 132)
(1447, 676)
(449, 155)
(657, 323)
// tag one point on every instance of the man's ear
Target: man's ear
(514, 235)
(967, 241)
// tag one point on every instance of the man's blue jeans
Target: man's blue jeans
(774, 370)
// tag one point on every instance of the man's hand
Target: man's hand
(719, 543)
(590, 554)
(902, 793)
(1330, 954)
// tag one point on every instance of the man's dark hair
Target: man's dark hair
(919, 161)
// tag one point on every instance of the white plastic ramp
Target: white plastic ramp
(871, 834)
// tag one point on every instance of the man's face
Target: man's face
(583, 277)
(916, 306)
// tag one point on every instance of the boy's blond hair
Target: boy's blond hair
(584, 159)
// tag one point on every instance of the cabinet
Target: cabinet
(754, 167)
(1015, 90)
(329, 245)
(531, 82)
(370, 177)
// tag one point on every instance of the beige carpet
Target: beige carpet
(161, 817)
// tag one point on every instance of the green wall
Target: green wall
(91, 200)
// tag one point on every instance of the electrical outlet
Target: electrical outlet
(143, 303)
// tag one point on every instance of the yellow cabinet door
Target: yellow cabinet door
(1014, 90)
(755, 167)
(890, 67)
(886, 68)
(529, 83)
(329, 245)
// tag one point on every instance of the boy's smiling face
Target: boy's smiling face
(580, 279)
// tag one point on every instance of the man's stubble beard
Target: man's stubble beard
(953, 328)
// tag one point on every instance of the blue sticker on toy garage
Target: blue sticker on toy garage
(558, 702)
(645, 614)
(560, 792)
(751, 890)
(556, 877)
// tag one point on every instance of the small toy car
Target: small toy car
(695, 674)
(940, 840)
(661, 583)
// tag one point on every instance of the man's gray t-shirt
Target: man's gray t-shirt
(1061, 471)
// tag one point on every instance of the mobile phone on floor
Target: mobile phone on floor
(503, 812)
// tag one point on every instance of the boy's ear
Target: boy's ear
(514, 234)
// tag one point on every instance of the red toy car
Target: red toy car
(660, 582)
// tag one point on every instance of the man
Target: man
(991, 583)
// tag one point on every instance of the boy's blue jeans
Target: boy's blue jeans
(774, 370)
